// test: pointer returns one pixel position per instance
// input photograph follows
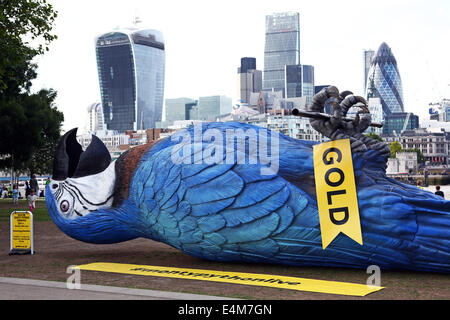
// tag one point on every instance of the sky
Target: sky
(205, 40)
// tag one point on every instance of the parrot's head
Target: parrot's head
(80, 194)
(82, 181)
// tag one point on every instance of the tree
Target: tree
(22, 21)
(374, 136)
(29, 123)
(41, 161)
(395, 147)
(30, 127)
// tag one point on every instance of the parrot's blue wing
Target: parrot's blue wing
(227, 211)
(232, 212)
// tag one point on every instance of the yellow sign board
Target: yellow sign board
(21, 223)
(252, 279)
(336, 191)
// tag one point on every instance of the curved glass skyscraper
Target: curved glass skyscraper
(384, 81)
(131, 67)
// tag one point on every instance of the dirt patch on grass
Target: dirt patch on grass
(55, 252)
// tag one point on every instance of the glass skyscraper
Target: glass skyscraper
(367, 56)
(293, 78)
(282, 47)
(384, 81)
(95, 117)
(399, 122)
(249, 79)
(247, 63)
(308, 83)
(131, 67)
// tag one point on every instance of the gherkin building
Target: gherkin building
(384, 81)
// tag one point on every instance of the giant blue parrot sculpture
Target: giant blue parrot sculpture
(248, 211)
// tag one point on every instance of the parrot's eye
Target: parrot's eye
(54, 186)
(64, 206)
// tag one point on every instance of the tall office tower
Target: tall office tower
(282, 47)
(367, 58)
(376, 113)
(308, 83)
(95, 117)
(131, 66)
(249, 79)
(247, 64)
(384, 81)
(293, 81)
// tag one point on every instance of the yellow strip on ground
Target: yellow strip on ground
(253, 279)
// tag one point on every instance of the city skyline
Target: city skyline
(205, 41)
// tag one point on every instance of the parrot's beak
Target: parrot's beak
(71, 161)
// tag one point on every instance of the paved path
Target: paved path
(27, 289)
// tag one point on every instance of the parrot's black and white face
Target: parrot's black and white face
(83, 181)
(77, 197)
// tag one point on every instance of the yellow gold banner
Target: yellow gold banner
(252, 279)
(336, 191)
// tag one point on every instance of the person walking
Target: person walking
(419, 184)
(15, 194)
(439, 192)
(27, 189)
(4, 192)
(32, 200)
(34, 184)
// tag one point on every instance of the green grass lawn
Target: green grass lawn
(7, 207)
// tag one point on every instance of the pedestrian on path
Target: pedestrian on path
(15, 194)
(34, 184)
(32, 200)
(439, 192)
